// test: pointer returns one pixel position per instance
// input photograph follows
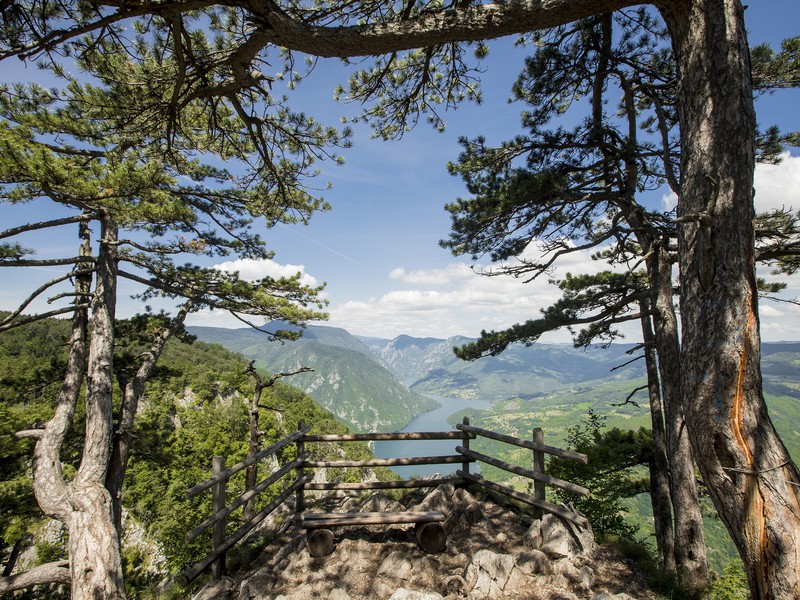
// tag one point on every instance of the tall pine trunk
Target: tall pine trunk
(748, 471)
(132, 392)
(660, 495)
(84, 504)
(94, 550)
(690, 549)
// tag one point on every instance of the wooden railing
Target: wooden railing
(388, 462)
(537, 474)
(221, 510)
(303, 481)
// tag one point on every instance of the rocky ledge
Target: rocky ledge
(493, 552)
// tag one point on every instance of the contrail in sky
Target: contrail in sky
(321, 245)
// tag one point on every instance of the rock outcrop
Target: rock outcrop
(493, 553)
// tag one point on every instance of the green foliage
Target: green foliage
(776, 70)
(194, 407)
(197, 408)
(613, 472)
(365, 395)
(31, 365)
(732, 585)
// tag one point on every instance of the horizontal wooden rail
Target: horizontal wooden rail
(381, 485)
(565, 485)
(386, 437)
(561, 511)
(384, 462)
(577, 456)
(195, 570)
(317, 520)
(222, 514)
(227, 473)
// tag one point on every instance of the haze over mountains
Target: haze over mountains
(375, 384)
(378, 384)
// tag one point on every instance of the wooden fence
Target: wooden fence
(302, 481)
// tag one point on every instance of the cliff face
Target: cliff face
(493, 552)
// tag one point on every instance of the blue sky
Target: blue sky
(377, 248)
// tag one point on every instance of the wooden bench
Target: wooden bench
(428, 528)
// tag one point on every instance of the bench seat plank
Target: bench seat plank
(318, 520)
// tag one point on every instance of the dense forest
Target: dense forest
(196, 406)
(128, 153)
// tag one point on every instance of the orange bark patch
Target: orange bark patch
(755, 528)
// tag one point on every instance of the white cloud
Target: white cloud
(778, 186)
(251, 269)
(445, 302)
(769, 311)
(455, 300)
(445, 276)
(669, 200)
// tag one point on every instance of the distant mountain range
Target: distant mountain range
(374, 384)
(347, 380)
(429, 366)
(377, 384)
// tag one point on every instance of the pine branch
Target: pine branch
(42, 225)
(54, 572)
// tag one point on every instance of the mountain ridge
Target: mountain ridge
(346, 379)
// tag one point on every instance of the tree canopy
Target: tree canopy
(726, 414)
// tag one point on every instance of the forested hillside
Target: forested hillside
(429, 365)
(195, 407)
(346, 379)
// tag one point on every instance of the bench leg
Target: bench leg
(319, 542)
(431, 537)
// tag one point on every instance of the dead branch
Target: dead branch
(54, 572)
(35, 434)
(629, 400)
(625, 364)
(262, 383)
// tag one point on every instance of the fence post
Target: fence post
(538, 467)
(300, 504)
(465, 443)
(218, 503)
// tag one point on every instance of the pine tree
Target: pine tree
(141, 200)
(742, 459)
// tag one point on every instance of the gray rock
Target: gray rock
(607, 596)
(585, 578)
(488, 573)
(338, 594)
(216, 590)
(254, 585)
(559, 538)
(404, 594)
(535, 562)
(379, 502)
(440, 499)
(396, 566)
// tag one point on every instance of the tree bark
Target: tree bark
(690, 549)
(253, 446)
(49, 486)
(55, 572)
(469, 22)
(94, 551)
(660, 496)
(132, 394)
(751, 478)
